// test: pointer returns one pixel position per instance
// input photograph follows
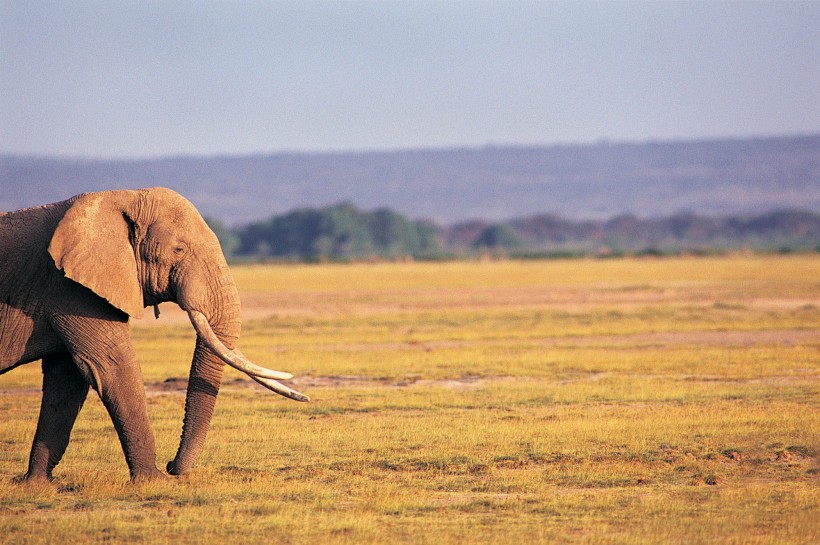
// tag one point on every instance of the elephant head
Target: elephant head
(141, 248)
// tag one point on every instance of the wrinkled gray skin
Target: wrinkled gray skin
(71, 274)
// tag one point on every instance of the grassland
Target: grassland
(622, 401)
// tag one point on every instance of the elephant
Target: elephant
(73, 273)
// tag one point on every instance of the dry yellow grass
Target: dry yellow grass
(623, 401)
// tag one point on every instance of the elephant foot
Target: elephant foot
(148, 475)
(33, 479)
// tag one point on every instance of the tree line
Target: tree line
(344, 232)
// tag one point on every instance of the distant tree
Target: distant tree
(430, 237)
(304, 233)
(463, 235)
(343, 232)
(295, 234)
(339, 232)
(280, 236)
(628, 231)
(394, 235)
(794, 223)
(498, 235)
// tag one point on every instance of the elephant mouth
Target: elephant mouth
(235, 358)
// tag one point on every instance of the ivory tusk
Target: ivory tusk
(234, 358)
(280, 389)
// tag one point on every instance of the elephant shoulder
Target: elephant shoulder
(24, 238)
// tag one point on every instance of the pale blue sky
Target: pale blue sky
(152, 78)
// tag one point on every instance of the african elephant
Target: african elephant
(71, 275)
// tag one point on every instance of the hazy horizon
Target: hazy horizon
(121, 80)
(401, 150)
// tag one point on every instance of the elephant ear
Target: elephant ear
(92, 245)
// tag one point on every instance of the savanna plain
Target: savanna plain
(634, 401)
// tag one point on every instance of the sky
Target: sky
(124, 79)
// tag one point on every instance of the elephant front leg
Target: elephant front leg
(123, 394)
(64, 391)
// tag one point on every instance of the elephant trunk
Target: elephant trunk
(203, 386)
(205, 377)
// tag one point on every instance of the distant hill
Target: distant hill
(592, 182)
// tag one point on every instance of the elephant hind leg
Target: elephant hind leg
(64, 392)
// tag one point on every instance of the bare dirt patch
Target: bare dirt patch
(178, 385)
(786, 337)
(782, 337)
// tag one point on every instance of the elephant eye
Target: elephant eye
(179, 250)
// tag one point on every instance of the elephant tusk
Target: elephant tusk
(234, 358)
(280, 389)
